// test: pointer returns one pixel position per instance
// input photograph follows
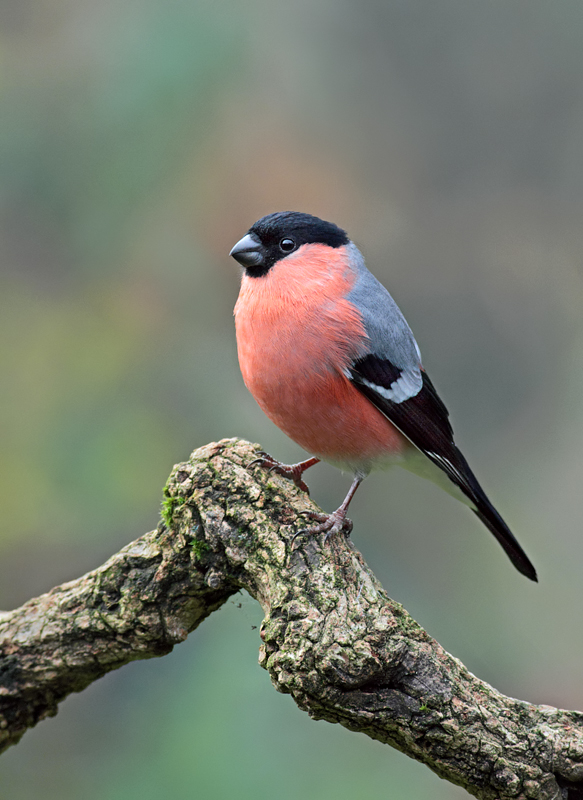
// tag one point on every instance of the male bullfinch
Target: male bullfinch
(329, 357)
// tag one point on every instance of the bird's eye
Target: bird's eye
(287, 245)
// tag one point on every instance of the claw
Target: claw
(291, 471)
(329, 524)
(264, 459)
(295, 536)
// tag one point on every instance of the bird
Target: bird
(329, 357)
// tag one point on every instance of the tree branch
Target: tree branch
(332, 638)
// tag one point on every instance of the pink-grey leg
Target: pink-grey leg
(292, 471)
(335, 522)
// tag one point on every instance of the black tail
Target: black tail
(484, 510)
(462, 476)
(424, 420)
(494, 522)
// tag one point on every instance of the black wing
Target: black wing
(424, 420)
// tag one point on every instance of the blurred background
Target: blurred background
(138, 142)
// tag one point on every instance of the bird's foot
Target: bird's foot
(293, 472)
(330, 524)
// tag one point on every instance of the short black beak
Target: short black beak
(248, 251)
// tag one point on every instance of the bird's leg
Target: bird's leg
(336, 521)
(292, 471)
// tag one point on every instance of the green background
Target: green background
(138, 141)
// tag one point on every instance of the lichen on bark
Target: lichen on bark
(331, 636)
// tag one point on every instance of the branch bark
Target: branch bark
(331, 636)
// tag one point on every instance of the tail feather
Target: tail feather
(424, 420)
(459, 472)
(493, 521)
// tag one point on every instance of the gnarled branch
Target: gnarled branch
(332, 638)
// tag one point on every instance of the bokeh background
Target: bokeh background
(138, 141)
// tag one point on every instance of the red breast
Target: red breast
(296, 334)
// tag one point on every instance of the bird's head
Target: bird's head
(278, 235)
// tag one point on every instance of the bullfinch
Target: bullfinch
(329, 357)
